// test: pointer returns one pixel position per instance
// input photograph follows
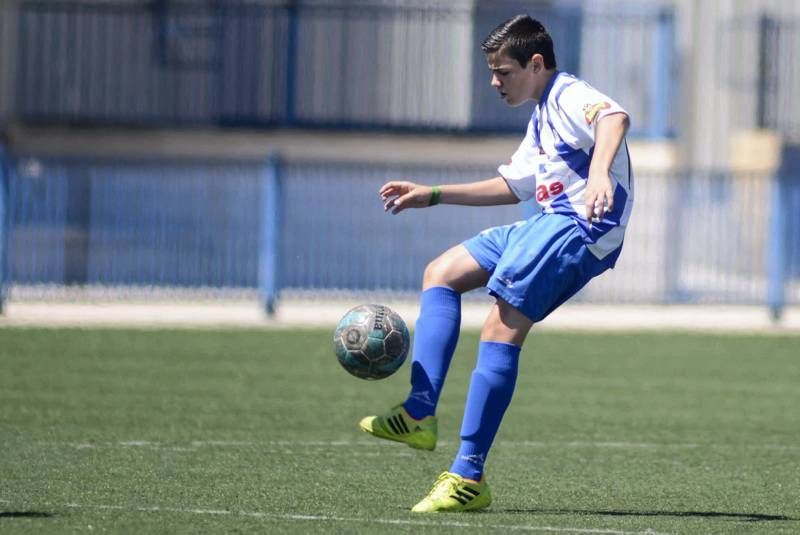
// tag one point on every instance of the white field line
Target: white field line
(330, 518)
(287, 445)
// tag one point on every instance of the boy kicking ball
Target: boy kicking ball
(574, 161)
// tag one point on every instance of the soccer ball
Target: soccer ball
(371, 341)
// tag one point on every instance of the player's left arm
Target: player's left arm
(599, 195)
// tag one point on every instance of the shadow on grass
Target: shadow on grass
(24, 514)
(742, 517)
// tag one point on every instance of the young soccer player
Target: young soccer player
(574, 161)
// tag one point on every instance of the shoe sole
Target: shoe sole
(459, 510)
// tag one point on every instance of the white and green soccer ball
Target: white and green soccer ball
(371, 341)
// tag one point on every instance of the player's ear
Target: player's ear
(537, 63)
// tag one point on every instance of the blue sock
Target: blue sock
(489, 395)
(435, 339)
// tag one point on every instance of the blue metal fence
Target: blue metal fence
(113, 223)
(336, 235)
(708, 237)
(310, 64)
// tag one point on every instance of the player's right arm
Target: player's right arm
(399, 195)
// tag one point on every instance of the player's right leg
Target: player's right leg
(545, 262)
(435, 338)
(464, 487)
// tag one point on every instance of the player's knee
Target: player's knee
(494, 331)
(456, 270)
(506, 325)
(437, 273)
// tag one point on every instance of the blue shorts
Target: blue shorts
(535, 265)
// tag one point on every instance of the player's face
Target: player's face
(516, 84)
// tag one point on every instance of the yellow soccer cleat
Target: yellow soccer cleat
(397, 425)
(453, 494)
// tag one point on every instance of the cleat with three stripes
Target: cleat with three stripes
(452, 493)
(399, 426)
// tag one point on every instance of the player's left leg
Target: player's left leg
(414, 421)
(464, 488)
(438, 326)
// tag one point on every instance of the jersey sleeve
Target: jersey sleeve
(581, 106)
(520, 172)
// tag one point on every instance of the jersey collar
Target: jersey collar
(548, 87)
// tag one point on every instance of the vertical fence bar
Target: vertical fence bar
(4, 223)
(269, 238)
(776, 248)
(293, 14)
(766, 31)
(21, 94)
(661, 79)
(673, 287)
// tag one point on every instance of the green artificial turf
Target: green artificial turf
(256, 431)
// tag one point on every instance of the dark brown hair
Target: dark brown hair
(520, 38)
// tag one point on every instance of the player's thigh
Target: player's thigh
(505, 324)
(456, 269)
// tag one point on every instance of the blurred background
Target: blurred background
(233, 149)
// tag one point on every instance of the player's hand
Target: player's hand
(399, 195)
(598, 196)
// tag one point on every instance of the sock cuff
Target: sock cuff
(441, 296)
(498, 355)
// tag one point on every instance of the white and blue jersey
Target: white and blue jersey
(537, 264)
(552, 162)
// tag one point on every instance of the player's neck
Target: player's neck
(544, 81)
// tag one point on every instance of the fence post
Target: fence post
(4, 177)
(269, 234)
(662, 84)
(776, 247)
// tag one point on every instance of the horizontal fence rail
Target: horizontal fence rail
(316, 228)
(317, 64)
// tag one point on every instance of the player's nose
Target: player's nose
(496, 81)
